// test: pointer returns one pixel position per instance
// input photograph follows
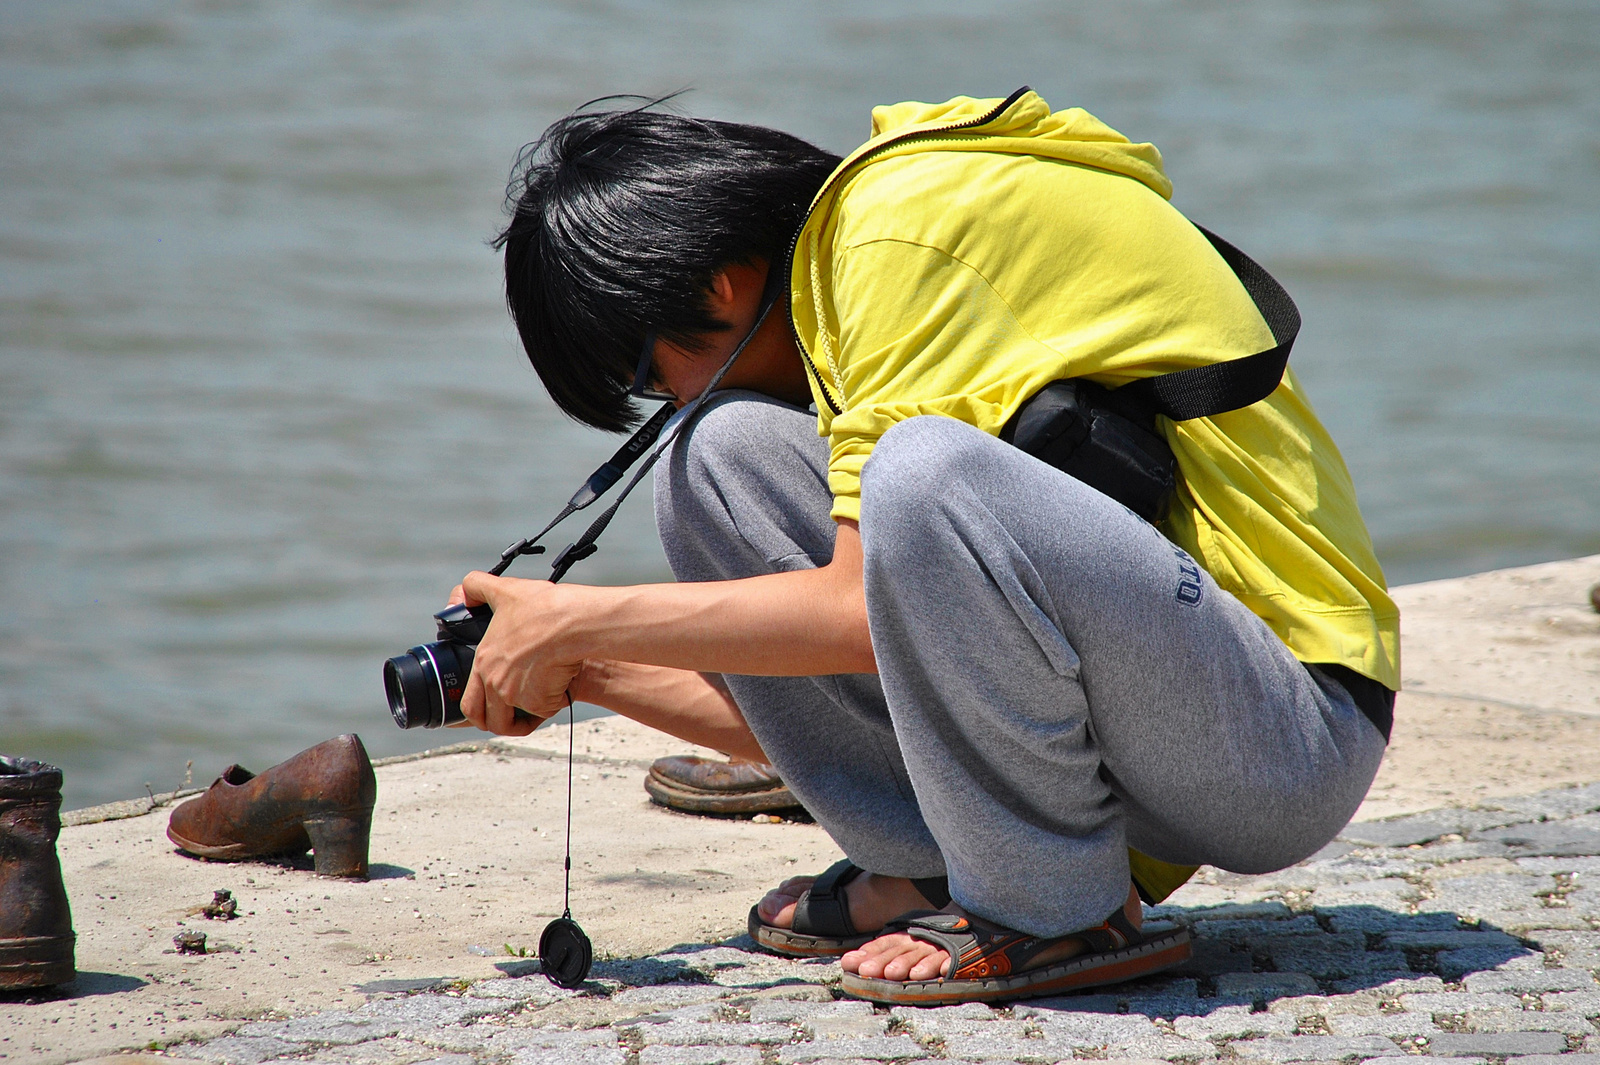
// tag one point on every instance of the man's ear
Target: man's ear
(721, 291)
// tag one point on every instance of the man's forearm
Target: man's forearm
(807, 622)
(803, 623)
(691, 706)
(785, 624)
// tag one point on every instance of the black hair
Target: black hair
(619, 219)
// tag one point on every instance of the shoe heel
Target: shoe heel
(339, 843)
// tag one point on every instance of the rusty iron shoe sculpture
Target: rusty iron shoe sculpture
(36, 937)
(702, 786)
(320, 799)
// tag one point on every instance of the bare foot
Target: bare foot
(899, 957)
(873, 900)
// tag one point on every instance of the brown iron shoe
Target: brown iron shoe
(703, 786)
(320, 799)
(36, 937)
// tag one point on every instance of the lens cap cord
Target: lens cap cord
(565, 953)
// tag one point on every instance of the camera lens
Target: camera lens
(406, 683)
(424, 685)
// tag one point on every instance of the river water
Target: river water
(260, 404)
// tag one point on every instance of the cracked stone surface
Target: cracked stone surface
(1470, 935)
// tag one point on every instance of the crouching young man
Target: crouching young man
(1015, 704)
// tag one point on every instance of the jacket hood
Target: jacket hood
(1021, 123)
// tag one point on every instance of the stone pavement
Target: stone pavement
(417, 964)
(1471, 934)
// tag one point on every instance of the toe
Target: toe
(776, 908)
(930, 966)
(868, 959)
(778, 911)
(906, 964)
(896, 957)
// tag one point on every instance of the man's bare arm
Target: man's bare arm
(803, 623)
(695, 707)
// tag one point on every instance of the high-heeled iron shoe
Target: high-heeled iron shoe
(320, 799)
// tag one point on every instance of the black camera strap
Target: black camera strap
(1201, 391)
(599, 482)
(584, 546)
(609, 474)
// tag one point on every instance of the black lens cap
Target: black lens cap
(565, 953)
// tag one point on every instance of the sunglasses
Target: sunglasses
(642, 388)
(641, 377)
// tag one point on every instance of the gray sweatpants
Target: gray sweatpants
(1056, 681)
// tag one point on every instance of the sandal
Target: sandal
(990, 963)
(822, 925)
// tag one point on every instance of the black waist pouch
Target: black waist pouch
(1077, 427)
(1109, 438)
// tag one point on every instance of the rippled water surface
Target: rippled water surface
(260, 405)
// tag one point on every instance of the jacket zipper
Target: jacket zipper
(794, 242)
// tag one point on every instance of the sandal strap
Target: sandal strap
(822, 909)
(977, 952)
(947, 931)
(1115, 933)
(904, 921)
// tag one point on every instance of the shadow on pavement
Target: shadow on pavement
(84, 985)
(402, 987)
(1257, 953)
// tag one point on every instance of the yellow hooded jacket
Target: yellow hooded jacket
(973, 251)
(956, 271)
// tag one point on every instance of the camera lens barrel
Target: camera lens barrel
(424, 685)
(406, 684)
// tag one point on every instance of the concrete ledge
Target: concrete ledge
(466, 845)
(1526, 639)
